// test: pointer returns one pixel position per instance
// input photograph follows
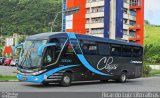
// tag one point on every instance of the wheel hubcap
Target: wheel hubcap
(66, 79)
(123, 77)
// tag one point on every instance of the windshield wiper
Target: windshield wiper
(32, 67)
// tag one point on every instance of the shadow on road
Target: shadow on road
(129, 82)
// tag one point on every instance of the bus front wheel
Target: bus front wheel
(66, 80)
(45, 83)
(103, 81)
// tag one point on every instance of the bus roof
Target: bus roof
(42, 36)
(99, 39)
(50, 35)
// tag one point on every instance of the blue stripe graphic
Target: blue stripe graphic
(88, 66)
(41, 78)
(83, 59)
(71, 36)
(40, 49)
(14, 48)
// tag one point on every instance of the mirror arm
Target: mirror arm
(40, 49)
(15, 47)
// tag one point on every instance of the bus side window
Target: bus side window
(75, 46)
(54, 40)
(92, 49)
(137, 52)
(48, 58)
(127, 51)
(116, 50)
(89, 47)
(103, 49)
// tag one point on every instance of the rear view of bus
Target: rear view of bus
(65, 57)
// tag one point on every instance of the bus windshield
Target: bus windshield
(29, 56)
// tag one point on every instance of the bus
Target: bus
(63, 57)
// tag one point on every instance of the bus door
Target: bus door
(82, 71)
(89, 49)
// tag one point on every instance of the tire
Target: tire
(66, 80)
(16, 65)
(103, 81)
(45, 84)
(123, 77)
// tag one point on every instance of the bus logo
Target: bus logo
(66, 60)
(107, 64)
(136, 62)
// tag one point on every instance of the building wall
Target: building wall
(138, 27)
(94, 18)
(78, 20)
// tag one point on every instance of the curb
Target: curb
(9, 81)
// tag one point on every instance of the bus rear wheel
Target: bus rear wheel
(66, 80)
(123, 77)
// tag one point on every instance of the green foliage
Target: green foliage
(155, 73)
(146, 22)
(152, 46)
(1, 50)
(29, 16)
(146, 70)
(8, 77)
(21, 39)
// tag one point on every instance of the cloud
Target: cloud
(152, 11)
(152, 5)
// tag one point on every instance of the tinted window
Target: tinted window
(49, 56)
(103, 49)
(127, 51)
(75, 46)
(89, 47)
(137, 52)
(116, 50)
(59, 42)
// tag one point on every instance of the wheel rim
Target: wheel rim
(123, 77)
(67, 79)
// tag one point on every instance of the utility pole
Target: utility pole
(52, 23)
(63, 15)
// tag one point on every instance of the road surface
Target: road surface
(137, 85)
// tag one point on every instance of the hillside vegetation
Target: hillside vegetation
(152, 43)
(29, 16)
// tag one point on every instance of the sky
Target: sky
(152, 11)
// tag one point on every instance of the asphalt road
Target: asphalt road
(137, 85)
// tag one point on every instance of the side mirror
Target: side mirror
(41, 48)
(15, 47)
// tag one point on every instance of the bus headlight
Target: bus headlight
(36, 79)
(45, 77)
(39, 72)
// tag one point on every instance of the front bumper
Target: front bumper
(34, 79)
(38, 79)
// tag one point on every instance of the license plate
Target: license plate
(24, 79)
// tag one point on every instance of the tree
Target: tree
(146, 22)
(29, 16)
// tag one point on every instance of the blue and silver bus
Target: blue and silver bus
(66, 57)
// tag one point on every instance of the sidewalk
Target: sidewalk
(155, 67)
(7, 71)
